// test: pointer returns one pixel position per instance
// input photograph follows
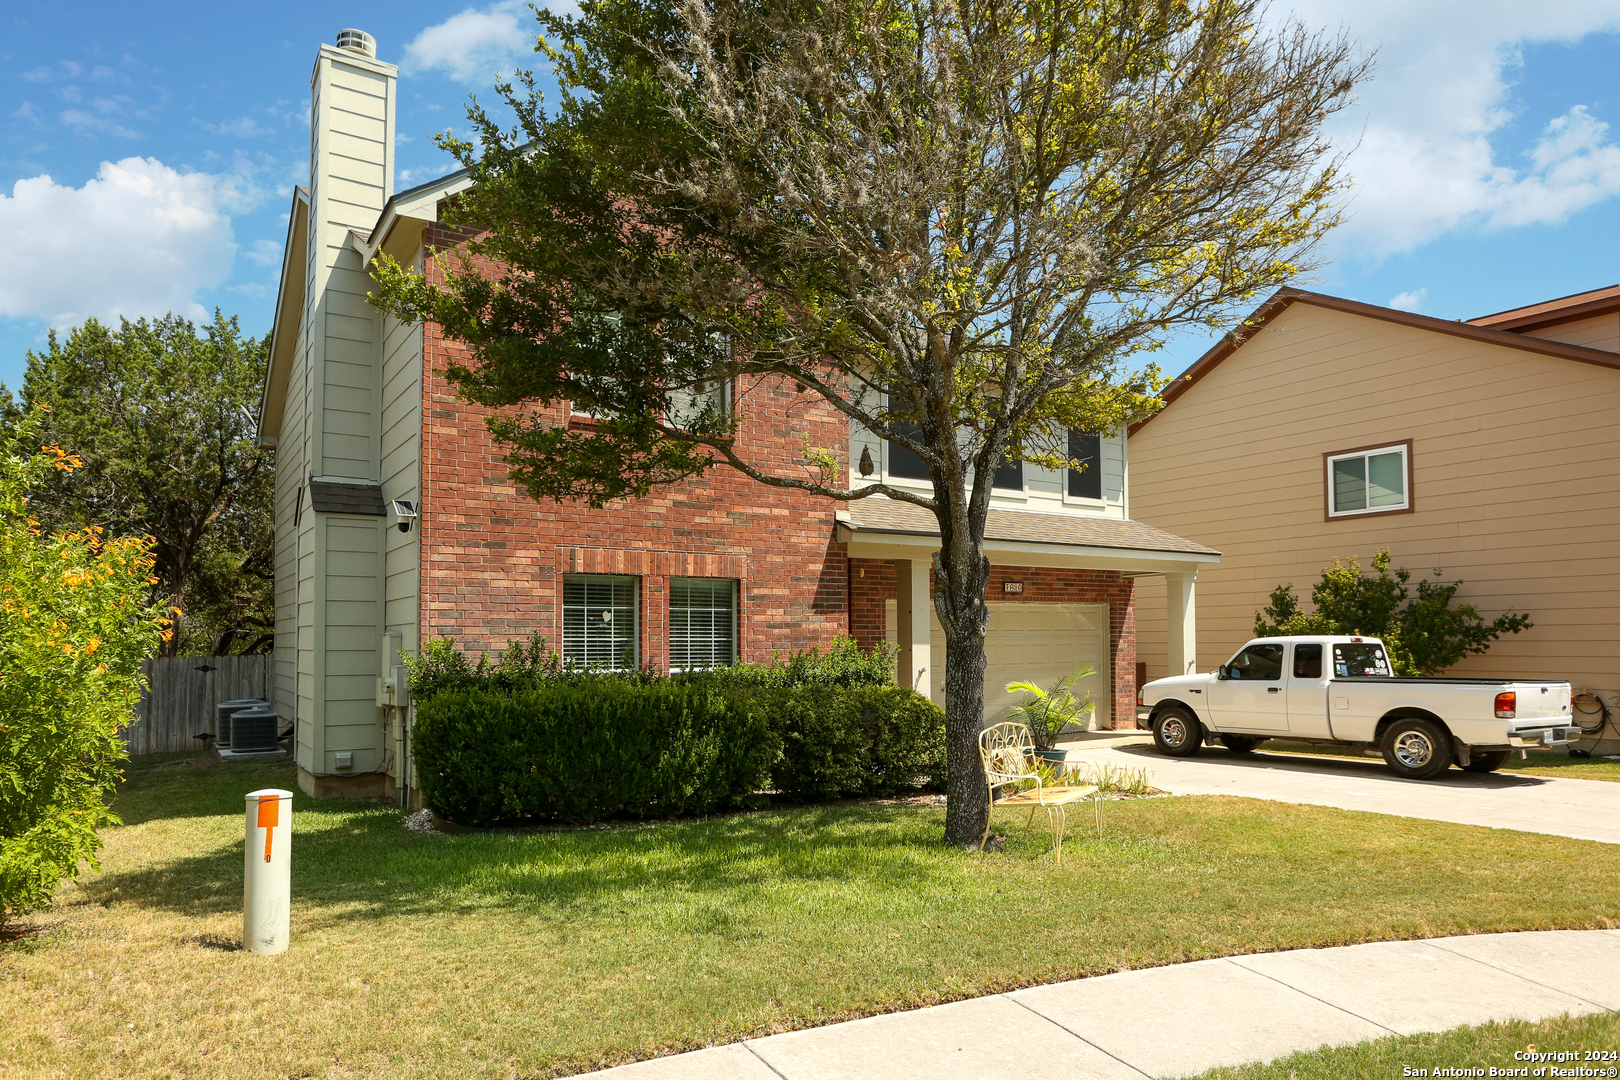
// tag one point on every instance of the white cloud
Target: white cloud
(264, 252)
(86, 122)
(139, 239)
(1408, 301)
(471, 46)
(245, 127)
(1426, 163)
(405, 178)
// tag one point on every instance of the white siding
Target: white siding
(1045, 490)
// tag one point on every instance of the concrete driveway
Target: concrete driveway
(1580, 809)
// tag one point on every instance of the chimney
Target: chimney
(351, 178)
(351, 162)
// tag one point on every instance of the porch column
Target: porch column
(914, 632)
(1181, 623)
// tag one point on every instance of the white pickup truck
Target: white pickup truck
(1340, 690)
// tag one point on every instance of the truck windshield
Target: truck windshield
(1359, 658)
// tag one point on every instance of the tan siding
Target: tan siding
(1516, 491)
(1596, 332)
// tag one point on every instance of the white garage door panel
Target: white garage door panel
(1032, 641)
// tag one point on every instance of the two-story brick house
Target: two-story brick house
(365, 426)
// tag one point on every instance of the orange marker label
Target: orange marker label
(269, 817)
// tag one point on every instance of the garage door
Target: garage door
(1036, 642)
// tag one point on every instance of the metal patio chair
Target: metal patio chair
(1008, 755)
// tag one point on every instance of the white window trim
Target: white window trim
(736, 622)
(635, 614)
(1402, 448)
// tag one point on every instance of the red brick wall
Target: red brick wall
(492, 558)
(872, 583)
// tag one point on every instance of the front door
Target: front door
(1251, 698)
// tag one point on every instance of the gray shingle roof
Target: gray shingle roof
(881, 515)
(330, 497)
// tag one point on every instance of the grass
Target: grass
(1539, 763)
(1482, 1047)
(544, 953)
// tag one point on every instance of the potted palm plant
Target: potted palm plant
(1047, 712)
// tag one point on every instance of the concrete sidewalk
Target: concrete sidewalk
(1580, 809)
(1184, 1019)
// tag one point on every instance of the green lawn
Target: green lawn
(1483, 1047)
(544, 953)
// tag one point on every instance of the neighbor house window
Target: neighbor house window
(1369, 480)
(599, 621)
(904, 462)
(1086, 448)
(702, 623)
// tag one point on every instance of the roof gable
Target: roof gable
(1285, 298)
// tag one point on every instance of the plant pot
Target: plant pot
(1054, 756)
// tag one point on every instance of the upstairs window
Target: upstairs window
(1009, 475)
(710, 400)
(702, 623)
(599, 621)
(903, 462)
(1369, 480)
(1086, 448)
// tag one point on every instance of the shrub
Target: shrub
(1424, 633)
(521, 736)
(865, 740)
(587, 748)
(75, 624)
(844, 663)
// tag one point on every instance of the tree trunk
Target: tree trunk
(959, 599)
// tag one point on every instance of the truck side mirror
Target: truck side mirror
(1222, 673)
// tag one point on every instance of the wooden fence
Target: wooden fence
(180, 703)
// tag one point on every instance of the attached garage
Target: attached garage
(1074, 576)
(1034, 641)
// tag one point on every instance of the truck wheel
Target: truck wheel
(1416, 748)
(1487, 761)
(1239, 744)
(1176, 733)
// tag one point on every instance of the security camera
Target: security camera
(406, 512)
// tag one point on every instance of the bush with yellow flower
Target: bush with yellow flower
(76, 620)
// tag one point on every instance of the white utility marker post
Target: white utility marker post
(267, 872)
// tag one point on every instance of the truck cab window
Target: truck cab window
(1259, 662)
(1359, 658)
(1307, 661)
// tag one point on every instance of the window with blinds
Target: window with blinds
(702, 623)
(599, 621)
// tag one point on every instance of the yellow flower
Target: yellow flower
(95, 643)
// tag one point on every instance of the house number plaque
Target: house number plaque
(1012, 587)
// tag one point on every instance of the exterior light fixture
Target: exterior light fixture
(405, 511)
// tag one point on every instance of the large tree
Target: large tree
(163, 413)
(959, 224)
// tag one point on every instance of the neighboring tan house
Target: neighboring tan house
(365, 426)
(1328, 428)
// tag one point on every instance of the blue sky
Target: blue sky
(150, 151)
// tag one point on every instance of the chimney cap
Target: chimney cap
(357, 41)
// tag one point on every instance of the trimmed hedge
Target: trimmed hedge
(861, 741)
(586, 748)
(589, 748)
